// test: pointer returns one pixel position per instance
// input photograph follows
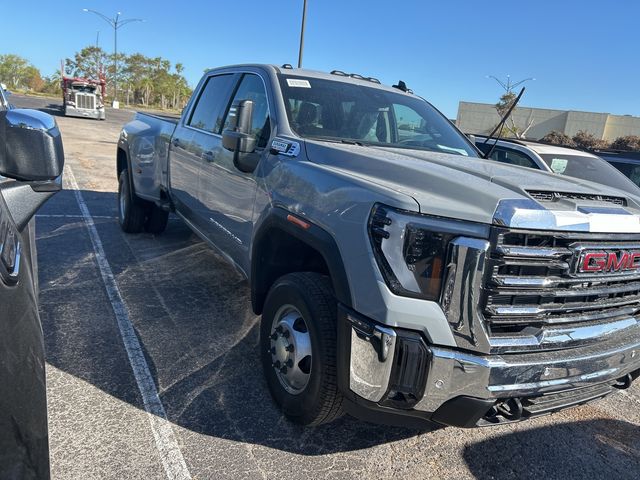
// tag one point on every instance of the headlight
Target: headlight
(411, 249)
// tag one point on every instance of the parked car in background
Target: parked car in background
(31, 162)
(555, 159)
(627, 162)
(4, 97)
(400, 277)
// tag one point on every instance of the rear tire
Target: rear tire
(131, 209)
(303, 306)
(156, 221)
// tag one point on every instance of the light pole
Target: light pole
(508, 86)
(304, 18)
(116, 23)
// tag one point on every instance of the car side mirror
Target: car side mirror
(30, 145)
(238, 138)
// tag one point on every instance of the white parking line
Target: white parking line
(166, 443)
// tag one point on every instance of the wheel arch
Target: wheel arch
(281, 246)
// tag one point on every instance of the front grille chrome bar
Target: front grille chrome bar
(531, 295)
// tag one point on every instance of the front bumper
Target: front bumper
(395, 372)
(97, 114)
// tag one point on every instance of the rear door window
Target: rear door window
(209, 110)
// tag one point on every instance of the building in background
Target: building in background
(481, 118)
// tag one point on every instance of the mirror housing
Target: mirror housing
(30, 145)
(238, 139)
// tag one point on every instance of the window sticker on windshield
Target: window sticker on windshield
(297, 82)
(559, 165)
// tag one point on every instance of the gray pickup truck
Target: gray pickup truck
(400, 277)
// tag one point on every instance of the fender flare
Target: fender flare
(124, 146)
(315, 237)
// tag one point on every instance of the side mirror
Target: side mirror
(30, 145)
(238, 139)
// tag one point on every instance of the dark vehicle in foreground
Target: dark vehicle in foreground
(555, 159)
(31, 162)
(400, 277)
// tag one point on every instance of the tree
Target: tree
(629, 142)
(88, 63)
(588, 141)
(502, 107)
(16, 71)
(558, 138)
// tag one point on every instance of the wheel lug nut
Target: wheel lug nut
(284, 369)
(289, 363)
(286, 334)
(276, 364)
(279, 329)
(274, 336)
(289, 348)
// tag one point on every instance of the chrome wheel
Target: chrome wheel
(291, 349)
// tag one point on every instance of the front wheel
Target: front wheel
(298, 343)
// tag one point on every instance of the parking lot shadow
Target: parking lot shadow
(600, 448)
(192, 314)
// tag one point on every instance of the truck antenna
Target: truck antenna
(500, 125)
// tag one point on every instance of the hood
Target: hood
(468, 188)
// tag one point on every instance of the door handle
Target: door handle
(176, 142)
(208, 156)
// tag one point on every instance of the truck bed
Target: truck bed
(148, 143)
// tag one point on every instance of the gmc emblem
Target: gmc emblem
(608, 262)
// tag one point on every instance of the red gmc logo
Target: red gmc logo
(608, 262)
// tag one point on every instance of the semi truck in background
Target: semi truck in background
(83, 97)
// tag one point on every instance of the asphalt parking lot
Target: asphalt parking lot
(214, 417)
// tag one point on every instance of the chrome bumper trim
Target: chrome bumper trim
(454, 373)
(371, 360)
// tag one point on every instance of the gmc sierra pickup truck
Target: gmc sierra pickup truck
(400, 277)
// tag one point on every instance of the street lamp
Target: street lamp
(304, 18)
(508, 86)
(116, 23)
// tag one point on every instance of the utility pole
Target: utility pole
(98, 39)
(116, 23)
(304, 18)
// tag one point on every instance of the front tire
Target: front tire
(131, 210)
(298, 343)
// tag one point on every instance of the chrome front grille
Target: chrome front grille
(532, 291)
(87, 101)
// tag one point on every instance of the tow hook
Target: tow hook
(623, 382)
(510, 409)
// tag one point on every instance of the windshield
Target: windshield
(339, 111)
(589, 168)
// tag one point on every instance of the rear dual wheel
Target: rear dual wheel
(135, 214)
